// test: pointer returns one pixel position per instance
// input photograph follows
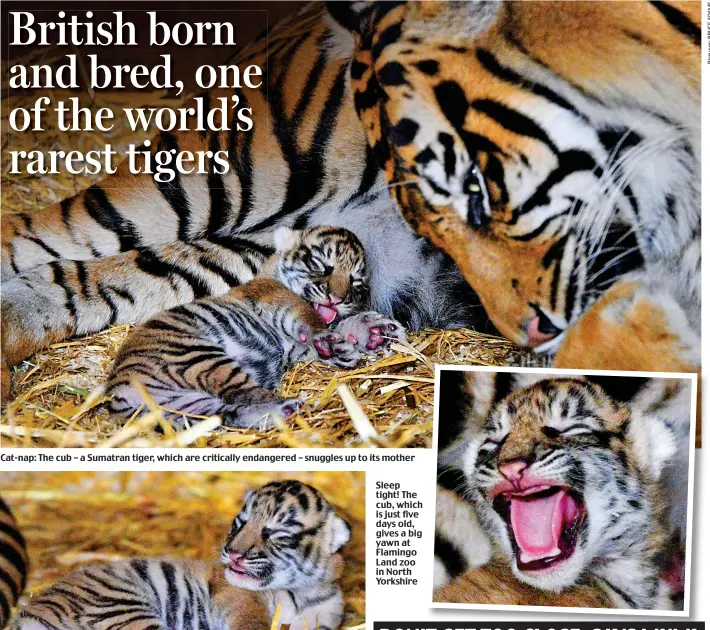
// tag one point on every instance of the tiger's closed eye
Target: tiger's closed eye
(478, 202)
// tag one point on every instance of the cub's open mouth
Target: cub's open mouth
(241, 572)
(327, 313)
(544, 521)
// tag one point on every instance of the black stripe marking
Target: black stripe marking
(451, 557)
(403, 132)
(82, 277)
(492, 65)
(148, 262)
(428, 66)
(392, 73)
(513, 120)
(173, 191)
(60, 279)
(240, 145)
(220, 201)
(678, 21)
(102, 211)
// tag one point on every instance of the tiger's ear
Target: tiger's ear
(341, 534)
(285, 238)
(660, 422)
(459, 20)
(349, 14)
(428, 19)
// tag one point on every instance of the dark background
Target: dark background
(249, 19)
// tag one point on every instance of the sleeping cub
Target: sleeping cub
(282, 551)
(226, 355)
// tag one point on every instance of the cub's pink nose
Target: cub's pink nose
(236, 556)
(335, 299)
(512, 470)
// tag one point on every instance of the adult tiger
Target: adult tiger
(499, 126)
(129, 247)
(531, 141)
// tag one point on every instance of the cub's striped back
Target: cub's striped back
(295, 565)
(13, 563)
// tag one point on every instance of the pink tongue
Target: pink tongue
(326, 313)
(538, 523)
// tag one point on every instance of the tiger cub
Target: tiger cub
(226, 355)
(13, 563)
(565, 482)
(282, 550)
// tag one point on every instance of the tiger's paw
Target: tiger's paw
(334, 349)
(371, 331)
(633, 327)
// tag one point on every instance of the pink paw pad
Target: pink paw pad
(376, 339)
(323, 345)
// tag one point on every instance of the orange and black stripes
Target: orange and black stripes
(13, 563)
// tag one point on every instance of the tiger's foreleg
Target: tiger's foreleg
(123, 212)
(69, 298)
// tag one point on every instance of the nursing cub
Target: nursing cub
(226, 355)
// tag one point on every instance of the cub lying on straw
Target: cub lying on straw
(225, 355)
(280, 554)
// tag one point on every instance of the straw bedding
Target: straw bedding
(388, 401)
(72, 519)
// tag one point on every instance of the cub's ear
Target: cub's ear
(350, 14)
(660, 414)
(341, 534)
(480, 388)
(652, 441)
(247, 497)
(285, 238)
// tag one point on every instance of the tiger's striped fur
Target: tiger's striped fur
(13, 563)
(617, 470)
(523, 139)
(128, 247)
(552, 149)
(282, 550)
(226, 355)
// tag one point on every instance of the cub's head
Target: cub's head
(326, 266)
(285, 536)
(565, 479)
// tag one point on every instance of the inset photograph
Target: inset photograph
(563, 489)
(183, 550)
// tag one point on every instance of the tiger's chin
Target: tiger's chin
(544, 526)
(241, 578)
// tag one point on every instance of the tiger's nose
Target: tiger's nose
(540, 329)
(335, 299)
(235, 556)
(512, 470)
